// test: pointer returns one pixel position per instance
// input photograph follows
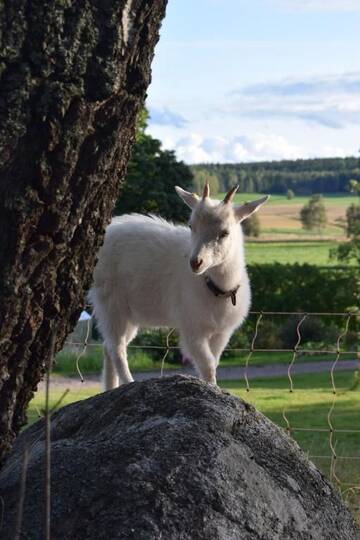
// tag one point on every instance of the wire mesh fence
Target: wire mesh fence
(319, 409)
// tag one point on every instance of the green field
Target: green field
(290, 252)
(330, 199)
(282, 237)
(307, 408)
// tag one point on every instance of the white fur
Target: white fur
(143, 279)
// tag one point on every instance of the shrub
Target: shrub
(157, 338)
(251, 226)
(290, 194)
(313, 214)
(313, 329)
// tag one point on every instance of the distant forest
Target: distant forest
(302, 176)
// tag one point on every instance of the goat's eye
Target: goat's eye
(223, 234)
(189, 225)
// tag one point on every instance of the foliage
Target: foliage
(201, 177)
(152, 339)
(349, 251)
(313, 214)
(251, 225)
(354, 187)
(353, 220)
(303, 176)
(290, 194)
(312, 329)
(303, 287)
(151, 177)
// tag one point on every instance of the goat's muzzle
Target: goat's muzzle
(196, 264)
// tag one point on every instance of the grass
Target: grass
(280, 220)
(91, 362)
(37, 404)
(330, 199)
(304, 234)
(290, 252)
(306, 408)
(269, 358)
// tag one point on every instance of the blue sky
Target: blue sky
(250, 80)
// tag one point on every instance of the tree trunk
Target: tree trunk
(73, 76)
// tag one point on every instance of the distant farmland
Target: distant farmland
(282, 237)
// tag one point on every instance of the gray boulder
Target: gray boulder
(170, 458)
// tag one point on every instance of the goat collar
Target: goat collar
(219, 292)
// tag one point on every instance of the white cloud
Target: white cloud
(343, 83)
(196, 148)
(332, 101)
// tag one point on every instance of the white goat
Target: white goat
(151, 273)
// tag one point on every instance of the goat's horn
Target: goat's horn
(206, 191)
(230, 195)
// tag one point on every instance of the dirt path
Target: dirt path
(223, 373)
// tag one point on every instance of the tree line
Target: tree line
(154, 172)
(302, 176)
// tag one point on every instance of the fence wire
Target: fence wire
(350, 490)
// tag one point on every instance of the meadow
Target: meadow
(282, 237)
(306, 409)
(290, 252)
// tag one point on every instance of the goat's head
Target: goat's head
(215, 231)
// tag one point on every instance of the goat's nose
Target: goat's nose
(195, 263)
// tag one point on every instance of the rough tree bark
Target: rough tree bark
(73, 75)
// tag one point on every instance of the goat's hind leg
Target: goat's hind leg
(117, 350)
(110, 377)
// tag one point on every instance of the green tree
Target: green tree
(346, 252)
(290, 194)
(313, 214)
(200, 177)
(251, 226)
(303, 176)
(353, 220)
(354, 187)
(151, 177)
(349, 251)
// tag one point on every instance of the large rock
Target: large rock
(170, 458)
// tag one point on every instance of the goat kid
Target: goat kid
(151, 273)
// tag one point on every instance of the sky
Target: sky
(252, 80)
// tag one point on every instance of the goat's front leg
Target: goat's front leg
(218, 343)
(199, 351)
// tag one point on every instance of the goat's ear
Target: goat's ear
(244, 211)
(191, 199)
